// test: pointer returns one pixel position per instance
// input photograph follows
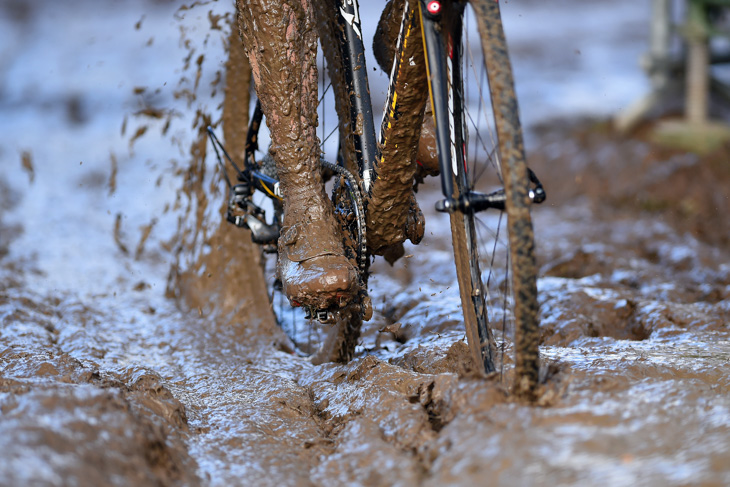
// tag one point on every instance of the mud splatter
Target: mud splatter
(113, 174)
(27, 163)
(118, 235)
(146, 230)
(137, 134)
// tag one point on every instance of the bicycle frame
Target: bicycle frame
(440, 71)
(369, 154)
(356, 79)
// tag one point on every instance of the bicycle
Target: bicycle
(430, 49)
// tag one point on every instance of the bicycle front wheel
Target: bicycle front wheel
(494, 255)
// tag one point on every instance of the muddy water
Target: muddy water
(104, 380)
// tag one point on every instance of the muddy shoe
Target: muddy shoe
(313, 269)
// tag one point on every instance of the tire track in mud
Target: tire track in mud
(58, 403)
(204, 394)
(272, 418)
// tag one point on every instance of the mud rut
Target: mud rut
(129, 387)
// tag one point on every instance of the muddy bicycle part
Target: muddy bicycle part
(438, 26)
(241, 211)
(260, 176)
(518, 196)
(251, 178)
(444, 24)
(352, 53)
(442, 35)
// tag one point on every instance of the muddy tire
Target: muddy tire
(514, 278)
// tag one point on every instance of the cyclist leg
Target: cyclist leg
(384, 43)
(281, 43)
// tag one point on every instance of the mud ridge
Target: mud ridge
(129, 423)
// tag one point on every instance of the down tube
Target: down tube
(361, 109)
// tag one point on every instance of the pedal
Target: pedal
(323, 316)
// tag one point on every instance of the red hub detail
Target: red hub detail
(434, 8)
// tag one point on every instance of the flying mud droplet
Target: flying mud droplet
(27, 163)
(139, 133)
(113, 175)
(146, 231)
(118, 234)
(215, 20)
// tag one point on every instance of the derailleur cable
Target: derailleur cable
(240, 197)
(216, 144)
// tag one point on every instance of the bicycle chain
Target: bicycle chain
(354, 188)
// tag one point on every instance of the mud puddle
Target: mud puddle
(635, 332)
(104, 380)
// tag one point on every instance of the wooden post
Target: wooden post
(660, 37)
(698, 63)
(695, 131)
(656, 63)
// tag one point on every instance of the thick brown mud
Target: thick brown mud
(393, 214)
(121, 381)
(634, 320)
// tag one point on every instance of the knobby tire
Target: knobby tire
(519, 225)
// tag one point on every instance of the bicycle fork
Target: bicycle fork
(443, 65)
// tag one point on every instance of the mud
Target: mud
(393, 214)
(65, 418)
(209, 257)
(105, 381)
(634, 330)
